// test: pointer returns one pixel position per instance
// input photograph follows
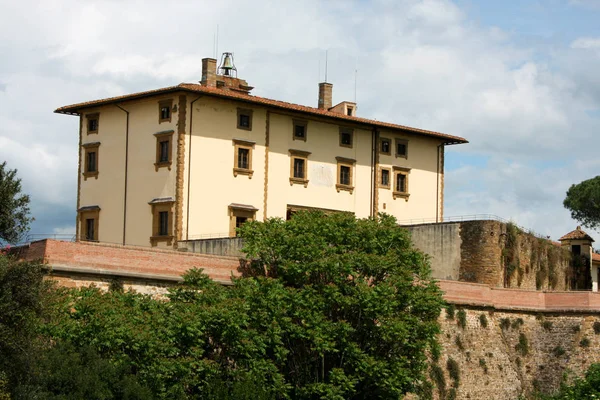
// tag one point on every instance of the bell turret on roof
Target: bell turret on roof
(577, 234)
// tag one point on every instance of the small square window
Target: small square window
(385, 146)
(401, 148)
(239, 216)
(346, 136)
(349, 111)
(92, 123)
(244, 119)
(165, 107)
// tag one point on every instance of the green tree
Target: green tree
(583, 200)
(586, 388)
(14, 206)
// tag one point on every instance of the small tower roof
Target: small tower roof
(577, 234)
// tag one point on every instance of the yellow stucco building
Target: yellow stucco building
(196, 160)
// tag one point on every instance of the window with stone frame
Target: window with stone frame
(385, 146)
(89, 221)
(300, 129)
(162, 221)
(299, 167)
(345, 174)
(164, 150)
(242, 159)
(92, 123)
(385, 177)
(165, 109)
(90, 160)
(244, 118)
(401, 148)
(401, 183)
(238, 215)
(346, 137)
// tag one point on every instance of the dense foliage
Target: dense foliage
(583, 200)
(330, 307)
(586, 388)
(14, 206)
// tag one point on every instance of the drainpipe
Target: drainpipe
(187, 223)
(126, 165)
(374, 163)
(437, 189)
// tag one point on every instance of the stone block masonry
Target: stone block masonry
(493, 253)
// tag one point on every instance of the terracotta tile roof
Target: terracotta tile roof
(197, 88)
(595, 257)
(577, 234)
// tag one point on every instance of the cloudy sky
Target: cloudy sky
(519, 79)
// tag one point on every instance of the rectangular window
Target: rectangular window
(89, 229)
(300, 128)
(402, 148)
(90, 160)
(88, 223)
(298, 167)
(346, 137)
(239, 214)
(92, 123)
(345, 174)
(349, 110)
(384, 178)
(162, 221)
(165, 107)
(164, 151)
(164, 147)
(385, 146)
(163, 229)
(243, 157)
(401, 183)
(244, 119)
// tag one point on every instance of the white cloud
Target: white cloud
(586, 43)
(420, 63)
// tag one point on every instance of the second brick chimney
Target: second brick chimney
(325, 95)
(209, 72)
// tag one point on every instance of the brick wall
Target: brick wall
(128, 259)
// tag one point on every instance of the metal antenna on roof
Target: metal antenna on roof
(355, 79)
(217, 42)
(326, 65)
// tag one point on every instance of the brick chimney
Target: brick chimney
(209, 72)
(325, 95)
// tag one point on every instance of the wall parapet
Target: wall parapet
(480, 295)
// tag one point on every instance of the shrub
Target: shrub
(523, 345)
(437, 376)
(459, 343)
(450, 310)
(451, 394)
(517, 323)
(576, 329)
(483, 321)
(558, 351)
(483, 365)
(596, 327)
(461, 317)
(504, 323)
(585, 342)
(547, 325)
(453, 371)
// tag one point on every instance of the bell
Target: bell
(227, 64)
